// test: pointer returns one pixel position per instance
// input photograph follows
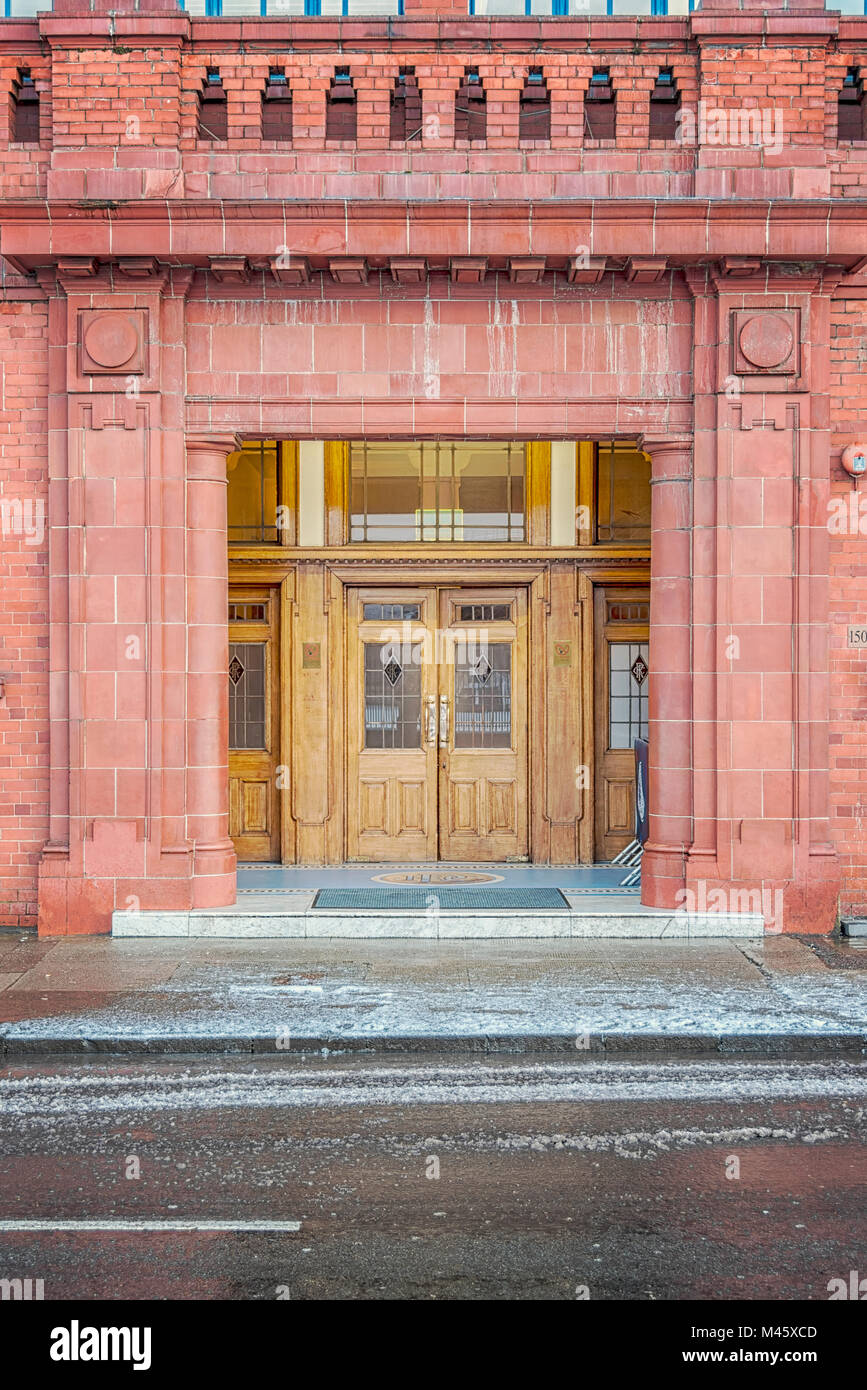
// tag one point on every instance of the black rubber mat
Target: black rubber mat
(493, 897)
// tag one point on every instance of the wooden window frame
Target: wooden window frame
(537, 504)
(287, 498)
(587, 502)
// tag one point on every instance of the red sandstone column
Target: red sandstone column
(702, 865)
(760, 600)
(207, 725)
(670, 694)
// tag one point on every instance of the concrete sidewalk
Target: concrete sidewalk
(776, 996)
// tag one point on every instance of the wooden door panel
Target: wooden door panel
(620, 810)
(501, 800)
(255, 808)
(411, 807)
(463, 805)
(254, 673)
(372, 806)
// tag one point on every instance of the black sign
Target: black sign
(642, 819)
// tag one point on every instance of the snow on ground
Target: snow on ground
(94, 1089)
(239, 1003)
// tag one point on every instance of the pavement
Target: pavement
(773, 997)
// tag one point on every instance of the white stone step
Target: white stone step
(616, 919)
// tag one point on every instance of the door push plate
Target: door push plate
(431, 721)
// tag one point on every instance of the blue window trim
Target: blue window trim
(313, 8)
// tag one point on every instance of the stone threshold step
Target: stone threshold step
(442, 926)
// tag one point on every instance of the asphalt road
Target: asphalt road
(426, 1179)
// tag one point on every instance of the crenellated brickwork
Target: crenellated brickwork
(121, 101)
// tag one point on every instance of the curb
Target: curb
(613, 1045)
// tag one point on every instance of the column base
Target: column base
(80, 887)
(807, 904)
(662, 876)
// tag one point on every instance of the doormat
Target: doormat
(499, 898)
(436, 876)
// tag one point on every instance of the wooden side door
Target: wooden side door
(391, 733)
(482, 725)
(622, 622)
(254, 671)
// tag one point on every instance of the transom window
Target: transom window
(438, 490)
(622, 492)
(485, 612)
(628, 612)
(248, 612)
(254, 492)
(391, 612)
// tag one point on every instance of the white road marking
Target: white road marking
(111, 1225)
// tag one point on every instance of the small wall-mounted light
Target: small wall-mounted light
(854, 460)
(2, 689)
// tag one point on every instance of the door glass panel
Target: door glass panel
(627, 693)
(483, 696)
(247, 665)
(392, 697)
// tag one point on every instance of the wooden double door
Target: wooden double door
(436, 724)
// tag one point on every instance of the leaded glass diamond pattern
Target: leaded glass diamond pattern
(483, 697)
(392, 698)
(482, 670)
(248, 665)
(627, 693)
(639, 670)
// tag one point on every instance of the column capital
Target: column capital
(670, 455)
(207, 454)
(222, 443)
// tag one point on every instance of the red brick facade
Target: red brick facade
(165, 294)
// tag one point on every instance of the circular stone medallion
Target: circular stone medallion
(766, 340)
(436, 876)
(111, 340)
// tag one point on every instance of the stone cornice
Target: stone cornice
(501, 33)
(337, 559)
(192, 232)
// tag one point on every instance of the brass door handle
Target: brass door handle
(431, 721)
(444, 721)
